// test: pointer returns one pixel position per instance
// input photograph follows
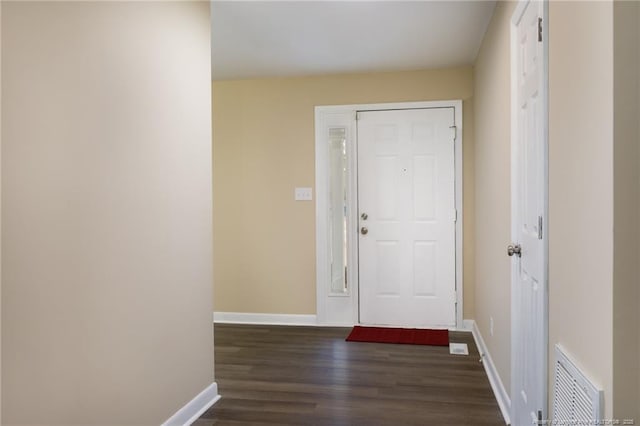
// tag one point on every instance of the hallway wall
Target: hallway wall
(0, 213)
(581, 187)
(493, 189)
(106, 211)
(626, 272)
(580, 182)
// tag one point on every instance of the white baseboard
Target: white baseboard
(195, 408)
(467, 325)
(266, 319)
(293, 319)
(504, 402)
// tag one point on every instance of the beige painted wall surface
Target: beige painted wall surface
(581, 187)
(106, 210)
(493, 189)
(626, 277)
(264, 241)
(0, 212)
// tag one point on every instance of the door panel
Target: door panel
(424, 187)
(424, 268)
(406, 187)
(528, 270)
(387, 186)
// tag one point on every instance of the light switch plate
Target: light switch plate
(304, 194)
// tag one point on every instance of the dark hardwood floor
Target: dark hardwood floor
(270, 375)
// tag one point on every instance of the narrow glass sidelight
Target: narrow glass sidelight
(338, 209)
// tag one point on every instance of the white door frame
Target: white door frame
(342, 309)
(543, 351)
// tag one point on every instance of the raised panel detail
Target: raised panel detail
(386, 133)
(424, 268)
(423, 135)
(522, 176)
(386, 187)
(530, 214)
(388, 265)
(424, 188)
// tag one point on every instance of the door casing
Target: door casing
(343, 310)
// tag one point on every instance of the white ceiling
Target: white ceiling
(253, 39)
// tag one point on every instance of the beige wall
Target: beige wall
(106, 210)
(581, 187)
(626, 277)
(493, 189)
(0, 212)
(264, 241)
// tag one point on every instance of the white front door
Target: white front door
(527, 251)
(406, 204)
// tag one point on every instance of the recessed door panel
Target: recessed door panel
(388, 267)
(386, 169)
(424, 187)
(424, 268)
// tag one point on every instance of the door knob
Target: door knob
(364, 230)
(514, 249)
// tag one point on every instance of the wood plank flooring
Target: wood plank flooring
(270, 375)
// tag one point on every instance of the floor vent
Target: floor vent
(458, 349)
(575, 400)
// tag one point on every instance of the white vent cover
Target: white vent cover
(575, 400)
(458, 349)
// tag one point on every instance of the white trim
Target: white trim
(468, 324)
(467, 327)
(390, 105)
(545, 212)
(193, 409)
(263, 319)
(346, 114)
(333, 309)
(459, 169)
(504, 402)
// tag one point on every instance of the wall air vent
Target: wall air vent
(575, 398)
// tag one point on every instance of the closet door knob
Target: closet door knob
(514, 249)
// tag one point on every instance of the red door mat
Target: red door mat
(410, 336)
